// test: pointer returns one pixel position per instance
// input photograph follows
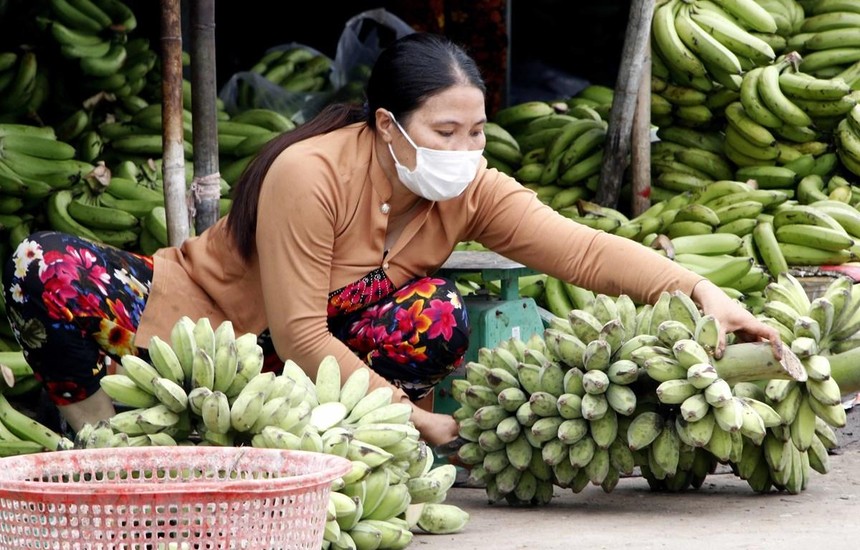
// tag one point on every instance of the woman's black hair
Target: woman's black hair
(407, 73)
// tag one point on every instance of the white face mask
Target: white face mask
(438, 175)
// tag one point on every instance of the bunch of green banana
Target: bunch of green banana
(807, 236)
(521, 422)
(685, 160)
(34, 166)
(135, 74)
(809, 409)
(825, 325)
(89, 216)
(591, 101)
(767, 109)
(295, 69)
(600, 393)
(503, 153)
(600, 217)
(236, 152)
(207, 386)
(535, 121)
(136, 189)
(655, 220)
(34, 163)
(21, 434)
(552, 148)
(702, 43)
(93, 32)
(113, 221)
(825, 100)
(22, 84)
(140, 137)
(828, 41)
(789, 16)
(848, 140)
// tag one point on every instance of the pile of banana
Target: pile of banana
(828, 41)
(19, 432)
(792, 104)
(826, 325)
(95, 34)
(554, 148)
(613, 387)
(295, 69)
(23, 87)
(243, 135)
(207, 386)
(805, 235)
(848, 141)
(291, 80)
(140, 137)
(34, 165)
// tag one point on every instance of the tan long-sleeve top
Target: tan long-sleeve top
(321, 226)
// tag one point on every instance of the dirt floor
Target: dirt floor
(724, 513)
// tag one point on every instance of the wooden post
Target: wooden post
(640, 154)
(173, 165)
(617, 147)
(206, 185)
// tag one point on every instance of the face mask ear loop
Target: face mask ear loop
(402, 131)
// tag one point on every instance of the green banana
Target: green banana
(156, 223)
(75, 18)
(170, 394)
(521, 113)
(803, 86)
(814, 236)
(672, 49)
(747, 127)
(29, 429)
(121, 15)
(816, 62)
(100, 217)
(106, 65)
(18, 91)
(753, 102)
(165, 360)
(710, 51)
(733, 36)
(124, 390)
(136, 207)
(776, 101)
(751, 14)
(60, 219)
(768, 177)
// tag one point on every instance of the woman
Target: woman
(330, 248)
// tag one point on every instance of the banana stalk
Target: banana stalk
(750, 361)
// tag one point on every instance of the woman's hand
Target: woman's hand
(435, 428)
(733, 317)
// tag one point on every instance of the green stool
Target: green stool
(493, 318)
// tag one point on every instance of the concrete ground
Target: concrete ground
(724, 513)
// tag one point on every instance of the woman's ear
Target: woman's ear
(384, 124)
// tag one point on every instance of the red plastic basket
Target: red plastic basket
(160, 498)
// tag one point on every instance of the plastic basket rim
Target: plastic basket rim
(336, 467)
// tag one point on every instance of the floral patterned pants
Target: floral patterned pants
(73, 303)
